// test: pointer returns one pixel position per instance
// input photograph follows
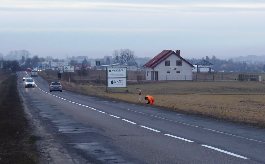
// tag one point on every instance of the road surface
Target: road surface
(73, 128)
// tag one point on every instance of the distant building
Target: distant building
(204, 66)
(93, 63)
(168, 65)
(44, 65)
(58, 65)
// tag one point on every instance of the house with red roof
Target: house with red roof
(168, 65)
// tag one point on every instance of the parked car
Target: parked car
(29, 82)
(56, 86)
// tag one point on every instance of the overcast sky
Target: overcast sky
(58, 28)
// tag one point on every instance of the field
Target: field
(231, 100)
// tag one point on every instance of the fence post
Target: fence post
(106, 79)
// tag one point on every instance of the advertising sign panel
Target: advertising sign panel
(69, 69)
(117, 82)
(116, 72)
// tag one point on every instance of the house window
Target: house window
(179, 63)
(178, 71)
(168, 71)
(147, 73)
(167, 63)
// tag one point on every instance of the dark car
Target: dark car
(56, 86)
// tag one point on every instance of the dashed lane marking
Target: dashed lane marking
(114, 116)
(223, 151)
(150, 128)
(129, 121)
(183, 139)
(169, 135)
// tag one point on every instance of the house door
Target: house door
(154, 75)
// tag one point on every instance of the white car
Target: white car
(29, 82)
(34, 73)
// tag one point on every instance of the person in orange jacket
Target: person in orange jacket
(150, 99)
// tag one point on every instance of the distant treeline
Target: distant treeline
(220, 65)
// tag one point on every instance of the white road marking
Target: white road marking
(129, 121)
(223, 151)
(169, 120)
(178, 137)
(114, 116)
(150, 128)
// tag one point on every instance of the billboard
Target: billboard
(117, 72)
(117, 82)
(116, 77)
(69, 69)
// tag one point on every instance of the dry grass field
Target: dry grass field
(241, 102)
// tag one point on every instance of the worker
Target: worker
(150, 99)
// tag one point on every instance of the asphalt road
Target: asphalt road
(74, 128)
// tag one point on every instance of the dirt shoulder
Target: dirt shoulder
(17, 145)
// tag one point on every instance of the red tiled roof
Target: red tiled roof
(162, 56)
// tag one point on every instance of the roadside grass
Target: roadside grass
(242, 102)
(15, 132)
(4, 75)
(235, 101)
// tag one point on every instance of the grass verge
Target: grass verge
(235, 101)
(16, 143)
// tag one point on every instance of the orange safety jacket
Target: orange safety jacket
(150, 99)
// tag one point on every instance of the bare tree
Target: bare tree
(34, 61)
(124, 56)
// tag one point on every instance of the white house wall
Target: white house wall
(165, 73)
(148, 73)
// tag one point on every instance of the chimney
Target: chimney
(178, 52)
